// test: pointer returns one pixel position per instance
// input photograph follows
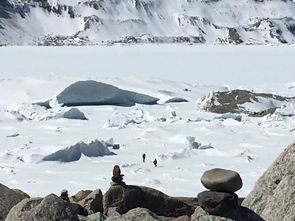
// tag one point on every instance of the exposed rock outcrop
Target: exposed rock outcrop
(273, 196)
(243, 101)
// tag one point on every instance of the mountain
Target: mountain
(84, 22)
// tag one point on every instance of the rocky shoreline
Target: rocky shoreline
(128, 202)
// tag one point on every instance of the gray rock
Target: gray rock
(128, 197)
(136, 214)
(217, 203)
(82, 194)
(93, 202)
(9, 198)
(74, 113)
(222, 180)
(93, 217)
(90, 92)
(51, 208)
(273, 196)
(237, 214)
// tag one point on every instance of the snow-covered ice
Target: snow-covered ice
(249, 145)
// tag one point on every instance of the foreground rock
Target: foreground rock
(9, 198)
(73, 153)
(243, 101)
(273, 196)
(50, 208)
(90, 92)
(236, 214)
(222, 180)
(128, 197)
(93, 202)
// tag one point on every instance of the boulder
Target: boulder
(217, 203)
(127, 197)
(93, 202)
(9, 198)
(82, 194)
(50, 208)
(77, 208)
(90, 92)
(74, 113)
(137, 214)
(222, 180)
(236, 214)
(93, 217)
(273, 196)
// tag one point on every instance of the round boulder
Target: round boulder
(222, 180)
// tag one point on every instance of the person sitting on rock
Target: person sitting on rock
(64, 195)
(117, 177)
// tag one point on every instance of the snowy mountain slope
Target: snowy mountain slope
(59, 22)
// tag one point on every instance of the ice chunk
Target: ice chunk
(73, 153)
(97, 93)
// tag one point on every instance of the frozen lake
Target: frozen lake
(30, 74)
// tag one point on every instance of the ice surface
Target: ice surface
(31, 74)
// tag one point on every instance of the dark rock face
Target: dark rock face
(217, 203)
(51, 208)
(222, 180)
(128, 197)
(9, 198)
(273, 196)
(231, 101)
(97, 93)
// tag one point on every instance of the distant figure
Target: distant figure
(143, 157)
(155, 162)
(64, 195)
(117, 177)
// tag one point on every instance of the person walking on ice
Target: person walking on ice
(155, 162)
